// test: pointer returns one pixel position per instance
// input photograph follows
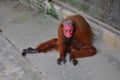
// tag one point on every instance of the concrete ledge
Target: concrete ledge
(107, 33)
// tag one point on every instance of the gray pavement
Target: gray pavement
(23, 28)
(13, 66)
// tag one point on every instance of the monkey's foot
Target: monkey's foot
(24, 53)
(29, 51)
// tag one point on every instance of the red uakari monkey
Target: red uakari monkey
(74, 37)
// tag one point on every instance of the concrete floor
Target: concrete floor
(23, 28)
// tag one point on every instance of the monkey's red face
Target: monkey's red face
(68, 31)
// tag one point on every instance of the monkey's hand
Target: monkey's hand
(75, 62)
(29, 51)
(59, 61)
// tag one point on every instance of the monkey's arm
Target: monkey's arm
(85, 51)
(62, 54)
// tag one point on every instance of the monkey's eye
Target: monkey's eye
(66, 31)
(70, 30)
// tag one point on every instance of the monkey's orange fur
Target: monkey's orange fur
(81, 46)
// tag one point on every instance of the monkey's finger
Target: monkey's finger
(64, 61)
(59, 61)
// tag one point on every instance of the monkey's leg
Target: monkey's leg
(29, 51)
(43, 47)
(86, 51)
(83, 52)
(47, 46)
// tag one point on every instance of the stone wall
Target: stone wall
(102, 31)
(38, 5)
(106, 11)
